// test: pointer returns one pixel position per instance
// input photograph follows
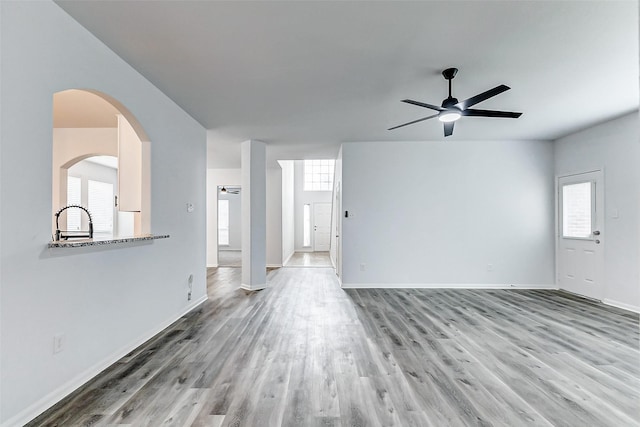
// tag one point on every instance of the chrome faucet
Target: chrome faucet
(65, 234)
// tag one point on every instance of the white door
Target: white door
(321, 227)
(580, 234)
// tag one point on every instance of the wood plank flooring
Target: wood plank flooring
(304, 352)
(309, 259)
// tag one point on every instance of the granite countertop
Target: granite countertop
(78, 243)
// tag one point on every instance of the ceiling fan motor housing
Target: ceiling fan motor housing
(450, 102)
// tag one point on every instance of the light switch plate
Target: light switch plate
(189, 207)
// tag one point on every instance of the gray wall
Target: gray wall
(439, 213)
(123, 294)
(614, 147)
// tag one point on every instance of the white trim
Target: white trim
(446, 286)
(274, 265)
(253, 288)
(622, 305)
(288, 258)
(212, 265)
(72, 385)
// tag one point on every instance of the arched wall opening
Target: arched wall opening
(87, 124)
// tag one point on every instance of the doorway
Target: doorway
(306, 212)
(321, 227)
(580, 254)
(229, 226)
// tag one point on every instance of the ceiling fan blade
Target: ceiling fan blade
(448, 128)
(422, 104)
(490, 113)
(415, 121)
(463, 105)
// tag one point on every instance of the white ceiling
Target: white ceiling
(305, 76)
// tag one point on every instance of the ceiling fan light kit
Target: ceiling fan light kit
(451, 109)
(449, 116)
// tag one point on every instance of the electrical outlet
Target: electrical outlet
(489, 267)
(190, 287)
(58, 343)
(363, 267)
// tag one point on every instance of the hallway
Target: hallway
(309, 259)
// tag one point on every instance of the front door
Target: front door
(580, 234)
(321, 226)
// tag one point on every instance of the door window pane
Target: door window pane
(318, 175)
(577, 210)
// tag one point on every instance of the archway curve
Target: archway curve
(133, 121)
(78, 159)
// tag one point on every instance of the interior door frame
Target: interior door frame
(337, 217)
(600, 193)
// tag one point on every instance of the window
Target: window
(223, 222)
(576, 210)
(101, 203)
(74, 197)
(318, 175)
(306, 224)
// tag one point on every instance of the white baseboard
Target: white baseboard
(445, 286)
(622, 305)
(268, 265)
(60, 393)
(288, 258)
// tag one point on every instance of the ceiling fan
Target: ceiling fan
(452, 109)
(224, 190)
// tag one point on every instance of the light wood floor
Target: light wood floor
(306, 353)
(309, 259)
(230, 258)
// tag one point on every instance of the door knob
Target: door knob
(597, 241)
(596, 233)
